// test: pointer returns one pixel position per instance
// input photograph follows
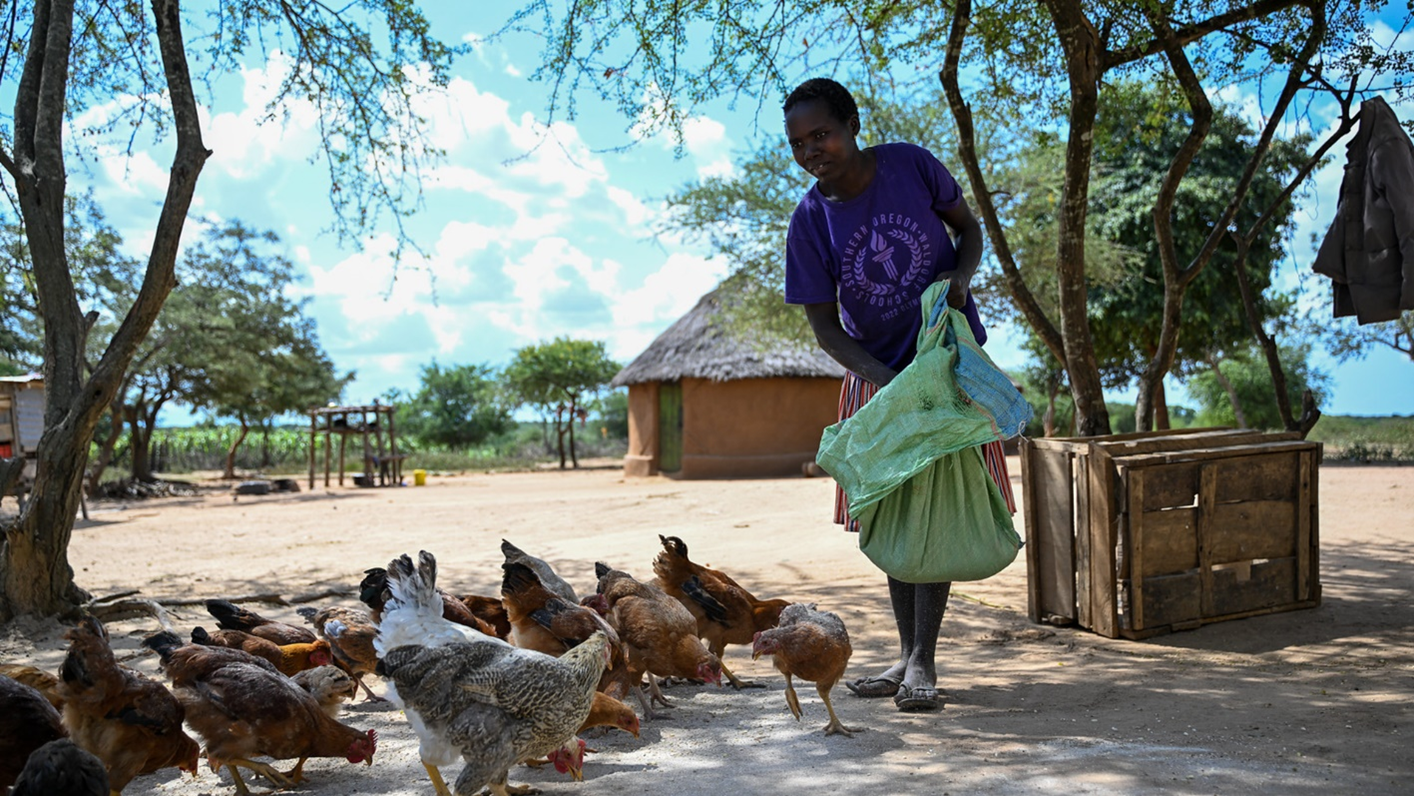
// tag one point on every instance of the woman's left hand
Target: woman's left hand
(958, 285)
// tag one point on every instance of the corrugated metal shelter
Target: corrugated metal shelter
(21, 418)
(704, 403)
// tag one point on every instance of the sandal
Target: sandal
(918, 699)
(873, 687)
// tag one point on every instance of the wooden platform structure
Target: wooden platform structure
(373, 425)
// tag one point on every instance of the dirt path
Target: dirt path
(1309, 702)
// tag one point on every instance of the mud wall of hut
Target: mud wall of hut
(743, 428)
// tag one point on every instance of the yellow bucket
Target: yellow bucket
(419, 478)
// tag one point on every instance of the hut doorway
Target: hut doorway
(670, 427)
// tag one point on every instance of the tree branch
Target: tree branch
(967, 149)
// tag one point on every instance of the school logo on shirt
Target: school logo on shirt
(886, 261)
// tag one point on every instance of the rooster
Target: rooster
(230, 616)
(543, 572)
(373, 591)
(242, 708)
(812, 645)
(129, 721)
(497, 705)
(725, 612)
(411, 609)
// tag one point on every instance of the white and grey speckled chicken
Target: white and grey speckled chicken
(498, 706)
(812, 645)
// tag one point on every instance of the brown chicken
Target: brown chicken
(27, 722)
(129, 721)
(38, 679)
(812, 645)
(350, 633)
(725, 612)
(289, 659)
(329, 685)
(489, 610)
(541, 620)
(230, 616)
(243, 710)
(373, 591)
(658, 637)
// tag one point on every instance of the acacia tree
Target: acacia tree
(561, 377)
(456, 406)
(137, 67)
(1039, 61)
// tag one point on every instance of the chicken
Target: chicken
(329, 685)
(128, 720)
(658, 636)
(27, 722)
(497, 705)
(373, 591)
(543, 572)
(604, 712)
(229, 616)
(412, 616)
(541, 620)
(812, 645)
(61, 768)
(489, 610)
(243, 709)
(350, 634)
(38, 679)
(725, 612)
(289, 659)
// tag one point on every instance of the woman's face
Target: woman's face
(822, 144)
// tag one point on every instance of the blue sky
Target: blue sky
(528, 237)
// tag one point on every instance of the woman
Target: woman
(864, 243)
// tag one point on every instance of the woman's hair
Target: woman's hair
(836, 97)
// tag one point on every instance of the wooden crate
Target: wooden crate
(1138, 534)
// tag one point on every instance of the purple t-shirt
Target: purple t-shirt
(875, 254)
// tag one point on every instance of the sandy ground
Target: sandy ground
(1306, 702)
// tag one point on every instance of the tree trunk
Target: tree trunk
(1081, 45)
(1161, 408)
(1231, 392)
(560, 432)
(574, 413)
(230, 471)
(105, 449)
(144, 423)
(34, 570)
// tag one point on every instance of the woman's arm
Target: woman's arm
(968, 244)
(825, 322)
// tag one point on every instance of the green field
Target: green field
(1366, 439)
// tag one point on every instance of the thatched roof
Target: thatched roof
(698, 346)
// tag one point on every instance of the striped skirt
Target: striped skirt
(854, 393)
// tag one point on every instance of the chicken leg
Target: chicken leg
(835, 727)
(438, 784)
(263, 769)
(737, 682)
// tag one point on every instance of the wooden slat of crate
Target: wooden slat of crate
(1241, 590)
(1205, 453)
(1084, 589)
(1168, 600)
(1072, 443)
(1304, 521)
(1169, 541)
(1252, 529)
(1103, 521)
(1050, 515)
(1170, 485)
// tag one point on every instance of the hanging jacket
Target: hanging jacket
(1369, 250)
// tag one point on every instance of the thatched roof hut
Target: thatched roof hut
(704, 403)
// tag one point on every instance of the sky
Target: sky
(528, 236)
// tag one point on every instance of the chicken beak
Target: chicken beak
(578, 774)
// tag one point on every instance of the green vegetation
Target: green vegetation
(1366, 439)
